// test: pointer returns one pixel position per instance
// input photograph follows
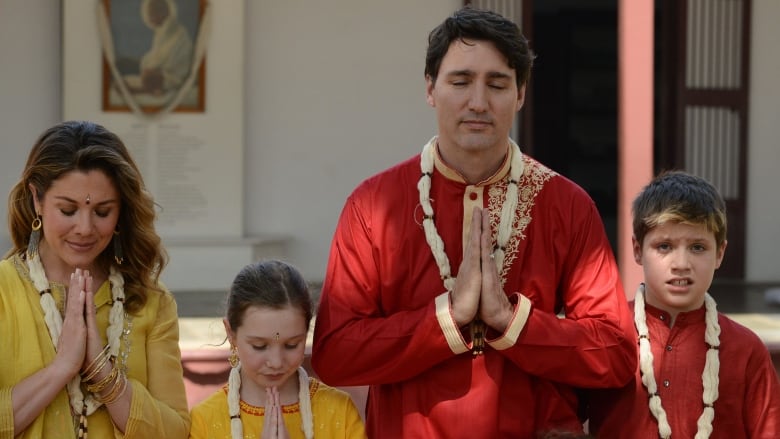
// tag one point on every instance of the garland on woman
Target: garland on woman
(82, 405)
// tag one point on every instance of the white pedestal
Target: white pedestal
(210, 264)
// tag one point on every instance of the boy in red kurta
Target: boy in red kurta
(700, 374)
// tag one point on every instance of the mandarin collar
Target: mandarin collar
(683, 318)
(451, 174)
(103, 294)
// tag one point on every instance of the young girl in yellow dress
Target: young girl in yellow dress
(269, 394)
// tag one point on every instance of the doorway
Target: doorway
(574, 84)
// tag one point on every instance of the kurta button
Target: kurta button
(666, 383)
(473, 196)
(669, 348)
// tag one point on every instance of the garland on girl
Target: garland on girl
(234, 405)
(508, 211)
(709, 376)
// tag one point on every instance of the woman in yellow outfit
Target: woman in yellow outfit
(89, 344)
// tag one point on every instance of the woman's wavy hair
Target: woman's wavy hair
(85, 146)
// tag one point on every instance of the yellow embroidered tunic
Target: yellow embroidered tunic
(159, 405)
(335, 416)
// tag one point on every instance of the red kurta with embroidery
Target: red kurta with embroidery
(748, 404)
(380, 321)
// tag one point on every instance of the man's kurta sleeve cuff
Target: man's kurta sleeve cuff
(516, 325)
(448, 325)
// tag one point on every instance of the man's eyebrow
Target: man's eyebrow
(464, 72)
(499, 75)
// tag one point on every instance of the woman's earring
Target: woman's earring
(35, 238)
(117, 241)
(233, 359)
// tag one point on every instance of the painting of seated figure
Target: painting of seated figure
(152, 61)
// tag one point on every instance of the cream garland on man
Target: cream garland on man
(508, 209)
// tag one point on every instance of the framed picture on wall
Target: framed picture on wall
(153, 55)
(173, 149)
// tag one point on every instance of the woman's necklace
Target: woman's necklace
(477, 327)
(234, 403)
(82, 405)
(709, 376)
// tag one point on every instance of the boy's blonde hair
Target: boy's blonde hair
(679, 197)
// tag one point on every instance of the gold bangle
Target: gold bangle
(96, 370)
(116, 392)
(104, 351)
(96, 365)
(102, 384)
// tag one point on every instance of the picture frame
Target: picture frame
(173, 149)
(150, 57)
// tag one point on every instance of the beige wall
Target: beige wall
(335, 93)
(29, 86)
(763, 202)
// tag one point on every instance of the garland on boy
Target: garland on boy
(709, 376)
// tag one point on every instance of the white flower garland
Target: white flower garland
(709, 377)
(508, 211)
(234, 405)
(53, 318)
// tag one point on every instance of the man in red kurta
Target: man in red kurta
(471, 287)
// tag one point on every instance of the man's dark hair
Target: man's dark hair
(470, 23)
